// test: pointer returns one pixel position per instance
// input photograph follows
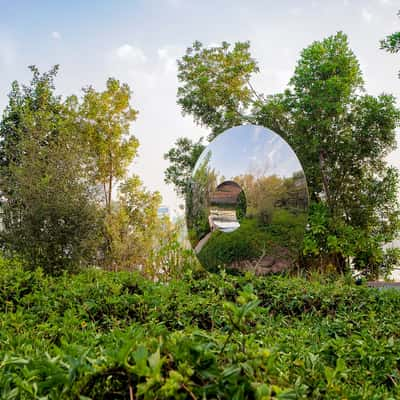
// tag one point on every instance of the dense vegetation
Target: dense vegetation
(391, 43)
(253, 240)
(104, 335)
(340, 134)
(71, 211)
(67, 197)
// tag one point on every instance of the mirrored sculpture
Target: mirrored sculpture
(246, 207)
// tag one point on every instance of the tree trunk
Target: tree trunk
(105, 194)
(109, 192)
(325, 180)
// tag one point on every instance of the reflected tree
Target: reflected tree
(204, 183)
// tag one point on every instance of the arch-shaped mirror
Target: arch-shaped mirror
(246, 207)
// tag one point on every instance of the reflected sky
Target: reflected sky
(250, 149)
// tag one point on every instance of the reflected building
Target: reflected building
(223, 204)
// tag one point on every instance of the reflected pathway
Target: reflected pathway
(202, 243)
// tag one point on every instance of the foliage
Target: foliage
(106, 118)
(49, 212)
(340, 135)
(392, 42)
(39, 96)
(55, 157)
(216, 90)
(132, 225)
(171, 256)
(348, 135)
(327, 235)
(131, 222)
(197, 200)
(104, 335)
(266, 193)
(253, 240)
(182, 159)
(242, 244)
(215, 84)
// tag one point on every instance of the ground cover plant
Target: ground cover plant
(104, 335)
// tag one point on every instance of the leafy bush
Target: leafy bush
(104, 335)
(245, 243)
(329, 242)
(253, 238)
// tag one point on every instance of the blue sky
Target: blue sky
(251, 150)
(139, 41)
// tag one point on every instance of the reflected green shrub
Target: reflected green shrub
(253, 239)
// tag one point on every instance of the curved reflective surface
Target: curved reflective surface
(246, 207)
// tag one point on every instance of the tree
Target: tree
(340, 135)
(392, 42)
(197, 200)
(129, 224)
(132, 226)
(106, 118)
(38, 98)
(50, 217)
(56, 156)
(216, 90)
(182, 159)
(215, 84)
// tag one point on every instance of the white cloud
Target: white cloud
(56, 35)
(131, 54)
(162, 53)
(131, 64)
(168, 55)
(385, 2)
(367, 16)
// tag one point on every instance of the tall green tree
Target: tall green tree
(38, 97)
(133, 225)
(341, 136)
(215, 89)
(48, 200)
(182, 159)
(215, 84)
(131, 210)
(391, 43)
(106, 118)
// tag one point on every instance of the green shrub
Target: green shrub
(104, 335)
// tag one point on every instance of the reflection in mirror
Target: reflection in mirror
(246, 207)
(227, 205)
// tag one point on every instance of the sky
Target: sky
(250, 149)
(138, 42)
